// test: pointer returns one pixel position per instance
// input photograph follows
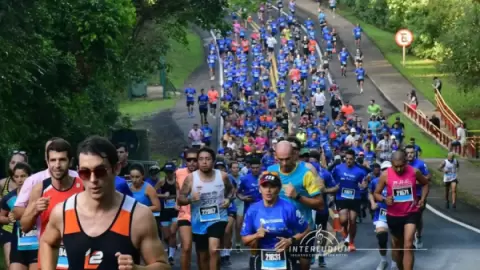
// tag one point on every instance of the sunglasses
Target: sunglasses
(19, 152)
(99, 172)
(191, 159)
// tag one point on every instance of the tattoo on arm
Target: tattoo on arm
(185, 191)
(228, 186)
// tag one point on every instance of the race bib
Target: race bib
(403, 194)
(170, 203)
(207, 134)
(344, 63)
(382, 215)
(209, 213)
(274, 260)
(156, 214)
(62, 262)
(27, 241)
(348, 193)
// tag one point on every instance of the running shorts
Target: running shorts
(321, 219)
(213, 105)
(183, 222)
(216, 230)
(190, 103)
(5, 237)
(292, 263)
(353, 205)
(203, 111)
(397, 224)
(240, 207)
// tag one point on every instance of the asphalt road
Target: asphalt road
(446, 245)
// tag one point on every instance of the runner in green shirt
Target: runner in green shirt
(373, 108)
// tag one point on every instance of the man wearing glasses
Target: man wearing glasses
(184, 215)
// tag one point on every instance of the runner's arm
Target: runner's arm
(30, 214)
(377, 194)
(311, 184)
(51, 239)
(442, 165)
(152, 195)
(149, 244)
(421, 179)
(185, 191)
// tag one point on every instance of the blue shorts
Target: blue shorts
(211, 65)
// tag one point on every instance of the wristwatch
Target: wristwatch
(298, 197)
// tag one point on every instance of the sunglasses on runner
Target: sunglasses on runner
(191, 159)
(19, 152)
(99, 172)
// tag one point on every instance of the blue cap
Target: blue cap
(169, 167)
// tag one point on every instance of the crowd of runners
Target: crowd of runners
(285, 163)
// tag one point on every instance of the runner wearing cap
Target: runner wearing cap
(380, 214)
(167, 193)
(403, 206)
(301, 186)
(273, 225)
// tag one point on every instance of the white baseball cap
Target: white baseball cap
(385, 165)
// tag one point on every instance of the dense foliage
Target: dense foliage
(63, 63)
(447, 31)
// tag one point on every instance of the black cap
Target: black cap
(220, 163)
(169, 167)
(270, 178)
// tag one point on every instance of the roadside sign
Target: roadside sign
(404, 38)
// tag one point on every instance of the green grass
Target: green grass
(430, 148)
(183, 59)
(437, 179)
(420, 72)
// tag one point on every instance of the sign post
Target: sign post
(404, 38)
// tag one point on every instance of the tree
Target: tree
(463, 56)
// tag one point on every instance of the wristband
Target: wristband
(298, 197)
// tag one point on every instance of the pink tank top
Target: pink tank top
(403, 189)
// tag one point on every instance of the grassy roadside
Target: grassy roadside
(430, 148)
(464, 195)
(184, 59)
(420, 72)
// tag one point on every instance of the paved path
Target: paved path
(441, 238)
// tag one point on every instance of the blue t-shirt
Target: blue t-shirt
(203, 101)
(249, 187)
(329, 183)
(349, 180)
(190, 93)
(121, 186)
(281, 220)
(381, 212)
(423, 168)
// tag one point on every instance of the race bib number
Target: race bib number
(403, 194)
(156, 214)
(62, 262)
(170, 203)
(207, 134)
(209, 213)
(382, 215)
(344, 63)
(274, 260)
(27, 241)
(348, 193)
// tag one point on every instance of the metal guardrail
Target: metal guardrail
(145, 163)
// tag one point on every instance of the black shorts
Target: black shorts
(213, 106)
(305, 248)
(272, 106)
(216, 230)
(5, 237)
(232, 214)
(359, 60)
(190, 103)
(321, 219)
(360, 80)
(203, 111)
(292, 263)
(306, 51)
(397, 224)
(353, 205)
(319, 108)
(448, 184)
(325, 66)
(271, 49)
(184, 222)
(23, 257)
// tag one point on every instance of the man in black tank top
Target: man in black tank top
(102, 229)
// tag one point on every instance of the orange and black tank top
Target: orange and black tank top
(85, 252)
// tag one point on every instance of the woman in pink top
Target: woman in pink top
(403, 209)
(260, 141)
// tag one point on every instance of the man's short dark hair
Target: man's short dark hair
(376, 166)
(255, 161)
(191, 151)
(120, 145)
(207, 150)
(99, 146)
(60, 145)
(315, 154)
(350, 152)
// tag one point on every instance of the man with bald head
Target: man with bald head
(301, 187)
(403, 206)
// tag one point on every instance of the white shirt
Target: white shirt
(319, 99)
(462, 137)
(271, 41)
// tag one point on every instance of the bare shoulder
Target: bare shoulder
(224, 176)
(143, 223)
(56, 216)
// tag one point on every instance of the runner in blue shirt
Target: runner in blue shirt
(248, 188)
(423, 168)
(380, 214)
(190, 93)
(360, 72)
(343, 58)
(273, 225)
(351, 178)
(203, 106)
(357, 34)
(207, 134)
